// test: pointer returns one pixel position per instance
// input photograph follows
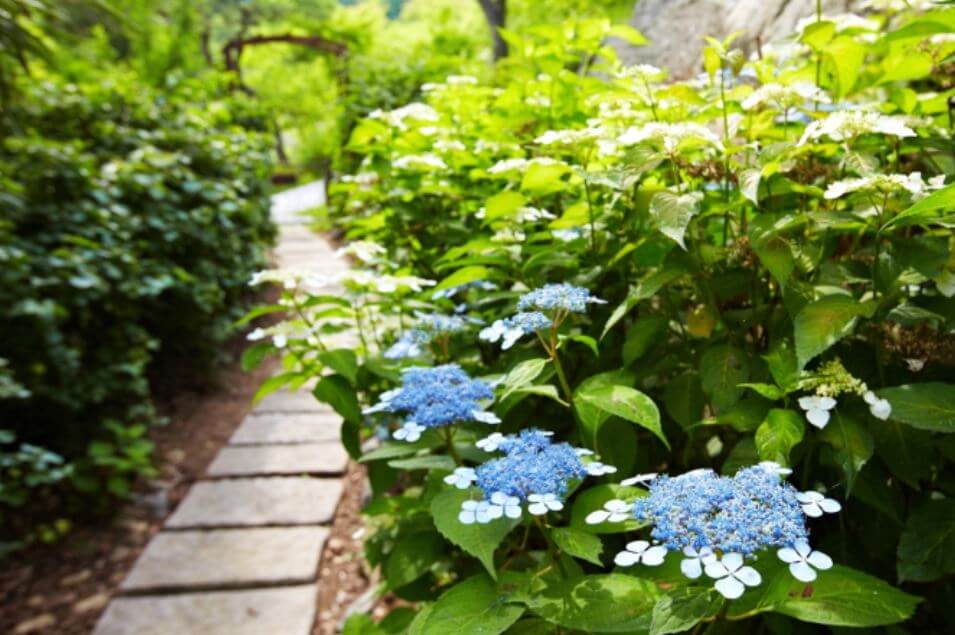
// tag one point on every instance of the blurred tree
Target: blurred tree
(19, 40)
(496, 13)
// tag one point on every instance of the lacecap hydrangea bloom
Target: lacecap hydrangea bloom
(540, 309)
(436, 397)
(428, 327)
(534, 471)
(717, 522)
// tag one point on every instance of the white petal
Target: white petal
(554, 505)
(513, 511)
(820, 560)
(618, 517)
(802, 549)
(494, 511)
(691, 568)
(485, 417)
(870, 397)
(788, 555)
(802, 572)
(830, 506)
(626, 559)
(537, 509)
(536, 498)
(654, 556)
(749, 576)
(732, 561)
(818, 418)
(715, 569)
(808, 403)
(617, 506)
(730, 588)
(638, 546)
(827, 403)
(812, 510)
(809, 496)
(881, 409)
(597, 517)
(499, 498)
(466, 517)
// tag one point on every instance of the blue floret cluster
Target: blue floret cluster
(429, 326)
(439, 396)
(558, 297)
(741, 514)
(532, 464)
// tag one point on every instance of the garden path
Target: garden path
(240, 554)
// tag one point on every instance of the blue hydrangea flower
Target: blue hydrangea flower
(483, 285)
(435, 397)
(409, 345)
(511, 329)
(429, 326)
(534, 470)
(719, 521)
(558, 297)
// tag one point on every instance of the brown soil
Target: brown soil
(62, 589)
(343, 576)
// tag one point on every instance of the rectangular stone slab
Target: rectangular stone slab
(280, 611)
(252, 460)
(293, 427)
(287, 401)
(223, 558)
(255, 502)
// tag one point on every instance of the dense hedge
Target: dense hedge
(132, 222)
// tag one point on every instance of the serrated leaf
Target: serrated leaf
(779, 434)
(626, 403)
(343, 361)
(822, 323)
(478, 540)
(472, 607)
(927, 545)
(683, 608)
(722, 369)
(928, 406)
(673, 213)
(522, 375)
(579, 544)
(612, 603)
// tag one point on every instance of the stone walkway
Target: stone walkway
(240, 554)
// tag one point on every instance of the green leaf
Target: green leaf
(769, 391)
(845, 55)
(626, 403)
(579, 544)
(779, 434)
(338, 393)
(925, 209)
(594, 498)
(472, 607)
(645, 288)
(683, 608)
(478, 540)
(253, 356)
(343, 361)
(504, 204)
(463, 276)
(928, 406)
(852, 444)
(722, 369)
(412, 556)
(673, 213)
(591, 417)
(586, 340)
(822, 323)
(522, 375)
(684, 400)
(612, 603)
(544, 179)
(927, 545)
(818, 34)
(426, 462)
(642, 335)
(270, 385)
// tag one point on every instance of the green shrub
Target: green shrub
(132, 222)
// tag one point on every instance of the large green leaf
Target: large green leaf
(684, 400)
(927, 546)
(472, 607)
(343, 361)
(463, 276)
(612, 603)
(626, 403)
(722, 369)
(412, 556)
(478, 540)
(845, 56)
(779, 434)
(674, 212)
(929, 406)
(927, 208)
(824, 322)
(591, 417)
(642, 335)
(683, 608)
(579, 544)
(851, 443)
(503, 205)
(522, 375)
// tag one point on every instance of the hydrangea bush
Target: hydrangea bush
(624, 346)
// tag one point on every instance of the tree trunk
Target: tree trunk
(496, 13)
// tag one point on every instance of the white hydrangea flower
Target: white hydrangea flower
(669, 135)
(614, 511)
(731, 576)
(640, 551)
(475, 512)
(596, 468)
(409, 432)
(364, 250)
(817, 409)
(415, 111)
(692, 565)
(784, 97)
(642, 72)
(639, 479)
(567, 137)
(847, 124)
(775, 468)
(885, 183)
(491, 442)
(461, 80)
(418, 162)
(509, 506)
(803, 561)
(814, 504)
(880, 408)
(843, 22)
(462, 477)
(533, 214)
(485, 417)
(540, 504)
(449, 145)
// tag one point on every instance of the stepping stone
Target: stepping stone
(287, 401)
(312, 458)
(223, 558)
(274, 428)
(256, 502)
(281, 611)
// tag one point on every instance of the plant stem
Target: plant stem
(449, 441)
